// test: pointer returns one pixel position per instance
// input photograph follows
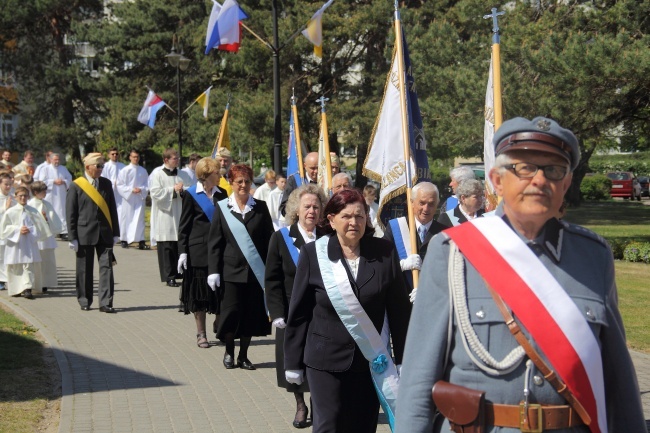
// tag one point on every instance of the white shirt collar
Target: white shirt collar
(200, 188)
(305, 234)
(466, 214)
(235, 207)
(88, 177)
(418, 224)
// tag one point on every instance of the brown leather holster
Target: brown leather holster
(463, 407)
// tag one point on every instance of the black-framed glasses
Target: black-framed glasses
(526, 170)
(99, 165)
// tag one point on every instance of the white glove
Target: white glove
(294, 376)
(413, 294)
(182, 263)
(214, 281)
(116, 239)
(399, 369)
(411, 262)
(74, 245)
(280, 323)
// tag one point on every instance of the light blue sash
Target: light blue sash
(290, 246)
(452, 202)
(244, 242)
(204, 202)
(453, 218)
(372, 345)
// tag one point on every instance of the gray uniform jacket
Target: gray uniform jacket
(582, 263)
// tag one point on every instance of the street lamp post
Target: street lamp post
(180, 62)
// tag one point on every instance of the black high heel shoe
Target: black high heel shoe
(298, 423)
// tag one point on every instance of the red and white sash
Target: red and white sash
(551, 317)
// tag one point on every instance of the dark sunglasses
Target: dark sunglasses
(99, 165)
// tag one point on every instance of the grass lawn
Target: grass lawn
(626, 221)
(617, 219)
(27, 387)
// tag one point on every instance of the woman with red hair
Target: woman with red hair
(237, 245)
(336, 337)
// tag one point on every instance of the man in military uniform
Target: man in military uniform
(561, 364)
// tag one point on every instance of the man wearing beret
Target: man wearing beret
(93, 227)
(516, 324)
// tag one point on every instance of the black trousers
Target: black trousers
(167, 259)
(343, 402)
(85, 263)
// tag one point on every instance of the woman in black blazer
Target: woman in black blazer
(198, 208)
(243, 313)
(471, 196)
(303, 212)
(317, 341)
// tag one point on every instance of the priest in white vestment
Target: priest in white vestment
(22, 227)
(58, 180)
(46, 247)
(167, 187)
(112, 168)
(133, 187)
(39, 167)
(6, 201)
(154, 210)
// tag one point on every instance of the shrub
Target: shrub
(595, 187)
(618, 247)
(637, 252)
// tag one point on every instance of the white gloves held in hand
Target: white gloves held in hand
(280, 323)
(294, 376)
(74, 245)
(116, 239)
(214, 281)
(413, 294)
(411, 262)
(182, 264)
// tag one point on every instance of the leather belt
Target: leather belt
(531, 418)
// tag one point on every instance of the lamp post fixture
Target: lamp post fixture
(180, 62)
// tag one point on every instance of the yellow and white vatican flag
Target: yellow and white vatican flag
(204, 101)
(314, 30)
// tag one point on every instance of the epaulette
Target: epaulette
(584, 232)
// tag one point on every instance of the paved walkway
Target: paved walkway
(140, 371)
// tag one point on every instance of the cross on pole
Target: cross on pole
(495, 24)
(322, 100)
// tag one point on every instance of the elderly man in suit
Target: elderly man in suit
(93, 227)
(424, 202)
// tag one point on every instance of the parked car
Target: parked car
(624, 184)
(645, 184)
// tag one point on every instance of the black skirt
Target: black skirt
(196, 295)
(279, 366)
(243, 312)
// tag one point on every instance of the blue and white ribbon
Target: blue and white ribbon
(373, 345)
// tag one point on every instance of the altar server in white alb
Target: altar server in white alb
(516, 325)
(47, 246)
(22, 227)
(6, 200)
(133, 186)
(167, 189)
(58, 180)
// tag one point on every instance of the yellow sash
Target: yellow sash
(95, 196)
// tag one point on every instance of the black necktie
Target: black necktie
(169, 172)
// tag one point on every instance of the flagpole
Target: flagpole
(296, 131)
(496, 67)
(405, 137)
